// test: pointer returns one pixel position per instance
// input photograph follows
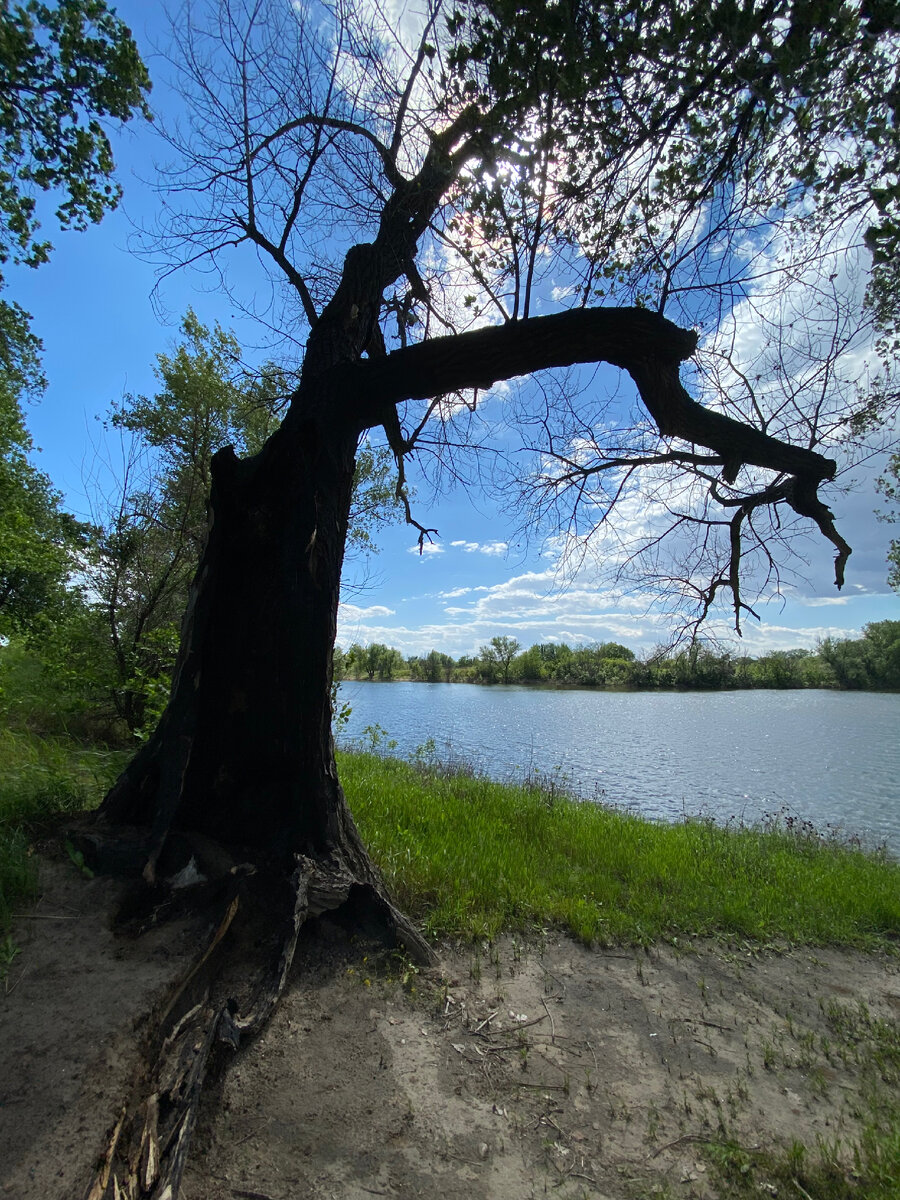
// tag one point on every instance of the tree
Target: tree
(664, 160)
(39, 541)
(782, 669)
(872, 661)
(63, 69)
(889, 486)
(499, 654)
(376, 659)
(435, 667)
(556, 660)
(883, 638)
(149, 534)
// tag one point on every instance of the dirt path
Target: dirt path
(519, 1070)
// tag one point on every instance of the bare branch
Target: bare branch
(317, 121)
(397, 139)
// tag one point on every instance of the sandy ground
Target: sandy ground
(519, 1069)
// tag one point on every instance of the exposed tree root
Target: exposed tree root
(224, 1000)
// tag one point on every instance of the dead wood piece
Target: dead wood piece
(176, 1064)
(487, 1020)
(328, 886)
(550, 1015)
(232, 1029)
(174, 1156)
(685, 1137)
(98, 1188)
(203, 960)
(149, 1156)
(542, 1087)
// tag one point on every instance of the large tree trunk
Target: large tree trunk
(244, 752)
(243, 755)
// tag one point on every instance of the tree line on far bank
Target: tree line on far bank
(869, 662)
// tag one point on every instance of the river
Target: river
(832, 758)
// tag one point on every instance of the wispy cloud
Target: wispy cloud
(545, 605)
(822, 601)
(492, 549)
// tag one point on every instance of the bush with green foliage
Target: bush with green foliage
(872, 661)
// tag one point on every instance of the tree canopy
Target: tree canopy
(419, 193)
(39, 541)
(64, 67)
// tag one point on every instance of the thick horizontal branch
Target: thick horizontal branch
(482, 357)
(639, 341)
(645, 344)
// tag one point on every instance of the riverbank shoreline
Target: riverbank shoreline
(869, 662)
(552, 685)
(826, 757)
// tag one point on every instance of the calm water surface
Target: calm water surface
(829, 757)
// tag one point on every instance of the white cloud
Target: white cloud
(353, 612)
(492, 549)
(569, 604)
(822, 601)
(426, 549)
(799, 339)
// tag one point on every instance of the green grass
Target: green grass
(470, 857)
(40, 776)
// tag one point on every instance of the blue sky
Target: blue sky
(102, 326)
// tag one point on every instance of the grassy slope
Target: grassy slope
(471, 857)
